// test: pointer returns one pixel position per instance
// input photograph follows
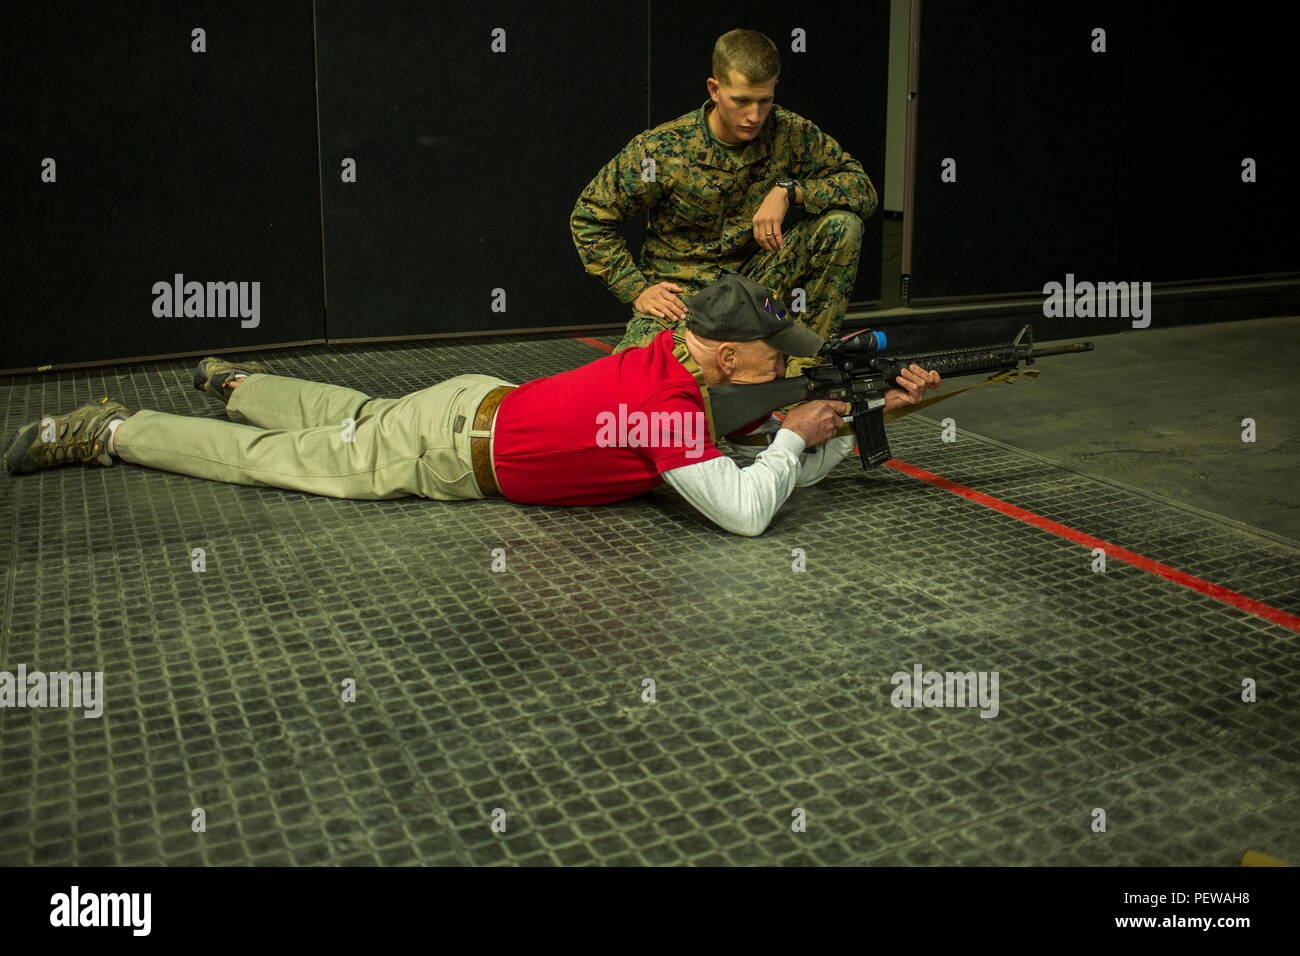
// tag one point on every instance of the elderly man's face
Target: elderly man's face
(756, 362)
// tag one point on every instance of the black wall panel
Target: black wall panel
(1033, 121)
(1202, 96)
(1118, 166)
(168, 161)
(839, 83)
(469, 161)
(1123, 166)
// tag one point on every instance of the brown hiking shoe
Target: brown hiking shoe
(54, 440)
(212, 374)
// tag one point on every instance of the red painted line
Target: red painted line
(1239, 601)
(596, 343)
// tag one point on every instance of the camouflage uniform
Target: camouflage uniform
(701, 198)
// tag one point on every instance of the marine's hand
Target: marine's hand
(815, 422)
(914, 381)
(660, 300)
(768, 219)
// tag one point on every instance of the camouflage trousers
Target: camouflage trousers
(820, 257)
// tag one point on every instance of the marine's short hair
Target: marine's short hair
(748, 53)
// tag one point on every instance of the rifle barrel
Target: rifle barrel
(1061, 349)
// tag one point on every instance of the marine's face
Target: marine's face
(742, 107)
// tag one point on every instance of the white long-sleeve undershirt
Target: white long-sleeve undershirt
(744, 500)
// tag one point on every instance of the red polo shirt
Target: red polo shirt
(602, 432)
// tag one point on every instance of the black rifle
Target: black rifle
(852, 372)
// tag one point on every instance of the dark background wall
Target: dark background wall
(225, 166)
(168, 161)
(469, 161)
(1115, 166)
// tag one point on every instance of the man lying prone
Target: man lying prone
(607, 431)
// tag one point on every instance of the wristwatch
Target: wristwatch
(789, 185)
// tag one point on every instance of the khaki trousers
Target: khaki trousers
(322, 439)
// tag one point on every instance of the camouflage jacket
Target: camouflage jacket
(701, 198)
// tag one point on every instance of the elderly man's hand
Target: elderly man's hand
(914, 381)
(815, 422)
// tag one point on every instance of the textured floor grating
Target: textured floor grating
(522, 691)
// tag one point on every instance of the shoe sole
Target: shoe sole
(22, 441)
